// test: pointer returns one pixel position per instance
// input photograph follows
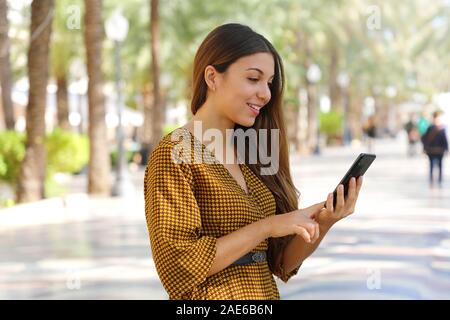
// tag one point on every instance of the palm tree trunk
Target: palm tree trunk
(62, 103)
(32, 172)
(312, 116)
(99, 161)
(335, 98)
(312, 99)
(5, 68)
(297, 123)
(157, 108)
(148, 118)
(302, 123)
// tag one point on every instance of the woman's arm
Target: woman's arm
(308, 232)
(297, 250)
(232, 246)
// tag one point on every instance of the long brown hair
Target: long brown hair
(221, 47)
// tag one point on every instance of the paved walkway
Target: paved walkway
(396, 244)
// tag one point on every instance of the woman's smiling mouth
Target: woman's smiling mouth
(254, 108)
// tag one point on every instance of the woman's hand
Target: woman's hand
(296, 222)
(329, 216)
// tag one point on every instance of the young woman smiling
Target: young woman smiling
(222, 230)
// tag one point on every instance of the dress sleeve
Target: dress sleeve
(275, 252)
(182, 256)
(286, 276)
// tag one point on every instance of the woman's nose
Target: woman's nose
(264, 94)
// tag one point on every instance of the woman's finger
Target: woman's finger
(330, 202)
(350, 211)
(340, 198)
(310, 227)
(303, 233)
(359, 185)
(316, 233)
(351, 196)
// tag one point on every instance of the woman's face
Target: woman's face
(244, 88)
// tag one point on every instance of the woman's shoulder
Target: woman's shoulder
(168, 159)
(168, 141)
(171, 146)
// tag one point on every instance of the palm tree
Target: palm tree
(32, 172)
(5, 68)
(59, 67)
(154, 117)
(99, 163)
(62, 50)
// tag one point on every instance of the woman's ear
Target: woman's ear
(211, 77)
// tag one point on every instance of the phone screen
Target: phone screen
(358, 168)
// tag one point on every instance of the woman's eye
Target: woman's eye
(269, 84)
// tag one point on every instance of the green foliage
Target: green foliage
(114, 154)
(12, 152)
(331, 123)
(66, 151)
(6, 203)
(3, 166)
(53, 188)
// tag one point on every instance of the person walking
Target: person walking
(370, 130)
(435, 145)
(413, 135)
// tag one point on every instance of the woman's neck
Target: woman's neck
(207, 118)
(211, 119)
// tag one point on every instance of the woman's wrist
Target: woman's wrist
(324, 226)
(267, 226)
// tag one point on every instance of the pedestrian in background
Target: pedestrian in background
(413, 135)
(435, 145)
(370, 130)
(422, 124)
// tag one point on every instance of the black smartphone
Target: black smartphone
(358, 168)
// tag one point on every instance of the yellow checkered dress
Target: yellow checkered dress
(188, 206)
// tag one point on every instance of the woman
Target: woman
(221, 230)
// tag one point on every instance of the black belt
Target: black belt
(251, 257)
